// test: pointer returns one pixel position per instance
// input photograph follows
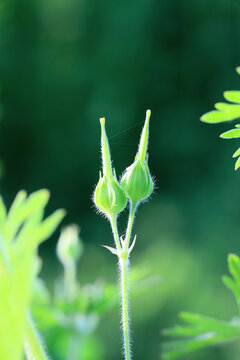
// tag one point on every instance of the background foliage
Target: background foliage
(63, 65)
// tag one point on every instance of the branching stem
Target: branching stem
(113, 221)
(130, 224)
(123, 256)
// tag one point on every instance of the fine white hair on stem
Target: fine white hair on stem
(125, 310)
(137, 189)
(34, 347)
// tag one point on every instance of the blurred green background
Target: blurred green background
(64, 64)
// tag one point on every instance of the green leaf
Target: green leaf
(231, 134)
(181, 331)
(233, 96)
(207, 323)
(234, 266)
(14, 217)
(237, 164)
(37, 200)
(233, 286)
(21, 231)
(3, 214)
(215, 116)
(201, 331)
(237, 153)
(232, 109)
(48, 226)
(227, 112)
(177, 348)
(31, 236)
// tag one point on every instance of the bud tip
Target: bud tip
(148, 113)
(102, 121)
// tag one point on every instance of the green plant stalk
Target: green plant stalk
(70, 280)
(123, 264)
(123, 255)
(33, 347)
(113, 221)
(129, 226)
(110, 197)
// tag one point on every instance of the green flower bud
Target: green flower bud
(69, 246)
(108, 195)
(137, 182)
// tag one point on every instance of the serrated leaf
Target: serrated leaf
(237, 164)
(231, 134)
(181, 331)
(232, 95)
(30, 209)
(177, 348)
(202, 331)
(207, 323)
(22, 230)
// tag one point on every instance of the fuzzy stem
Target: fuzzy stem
(32, 344)
(130, 224)
(113, 221)
(70, 279)
(123, 264)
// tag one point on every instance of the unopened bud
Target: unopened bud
(137, 182)
(109, 197)
(69, 246)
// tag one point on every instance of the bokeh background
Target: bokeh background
(64, 64)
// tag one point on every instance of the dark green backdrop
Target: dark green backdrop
(64, 64)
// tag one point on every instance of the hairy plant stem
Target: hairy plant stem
(33, 347)
(130, 224)
(113, 221)
(70, 280)
(123, 264)
(123, 257)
